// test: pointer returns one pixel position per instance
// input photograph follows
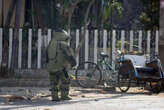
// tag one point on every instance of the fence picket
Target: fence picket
(131, 41)
(157, 42)
(105, 41)
(86, 47)
(39, 48)
(10, 46)
(1, 39)
(29, 48)
(148, 42)
(77, 44)
(69, 33)
(122, 40)
(49, 35)
(20, 50)
(113, 47)
(95, 45)
(140, 42)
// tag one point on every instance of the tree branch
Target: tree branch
(73, 6)
(85, 27)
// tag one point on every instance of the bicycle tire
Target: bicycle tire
(126, 77)
(88, 77)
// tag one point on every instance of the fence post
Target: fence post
(29, 47)
(45, 40)
(105, 41)
(140, 42)
(95, 45)
(122, 40)
(39, 48)
(69, 33)
(157, 42)
(113, 47)
(20, 50)
(148, 42)
(86, 47)
(1, 39)
(10, 46)
(49, 35)
(131, 41)
(77, 43)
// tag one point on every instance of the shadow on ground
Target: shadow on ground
(48, 103)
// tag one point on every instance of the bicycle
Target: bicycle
(89, 74)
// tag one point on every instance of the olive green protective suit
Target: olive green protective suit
(60, 60)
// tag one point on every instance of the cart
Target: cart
(136, 70)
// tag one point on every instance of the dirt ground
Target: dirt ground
(101, 98)
(10, 94)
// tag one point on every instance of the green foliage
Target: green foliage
(117, 6)
(150, 15)
(107, 12)
(114, 4)
(105, 6)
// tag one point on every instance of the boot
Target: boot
(64, 95)
(56, 99)
(55, 96)
(66, 98)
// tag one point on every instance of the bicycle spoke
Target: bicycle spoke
(88, 77)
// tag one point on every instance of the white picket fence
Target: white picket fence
(44, 39)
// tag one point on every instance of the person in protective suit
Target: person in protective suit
(60, 60)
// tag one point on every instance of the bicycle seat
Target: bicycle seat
(104, 55)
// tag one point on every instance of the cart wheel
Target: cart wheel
(155, 87)
(124, 78)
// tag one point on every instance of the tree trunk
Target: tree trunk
(19, 20)
(85, 27)
(161, 39)
(53, 14)
(10, 13)
(6, 12)
(32, 14)
(102, 23)
(71, 11)
(7, 24)
(39, 16)
(1, 10)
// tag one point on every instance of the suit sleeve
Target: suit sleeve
(69, 54)
(67, 50)
(52, 49)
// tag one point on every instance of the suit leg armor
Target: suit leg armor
(54, 81)
(65, 82)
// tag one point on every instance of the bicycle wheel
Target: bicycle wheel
(124, 78)
(88, 75)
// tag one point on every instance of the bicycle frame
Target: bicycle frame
(108, 71)
(105, 63)
(108, 66)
